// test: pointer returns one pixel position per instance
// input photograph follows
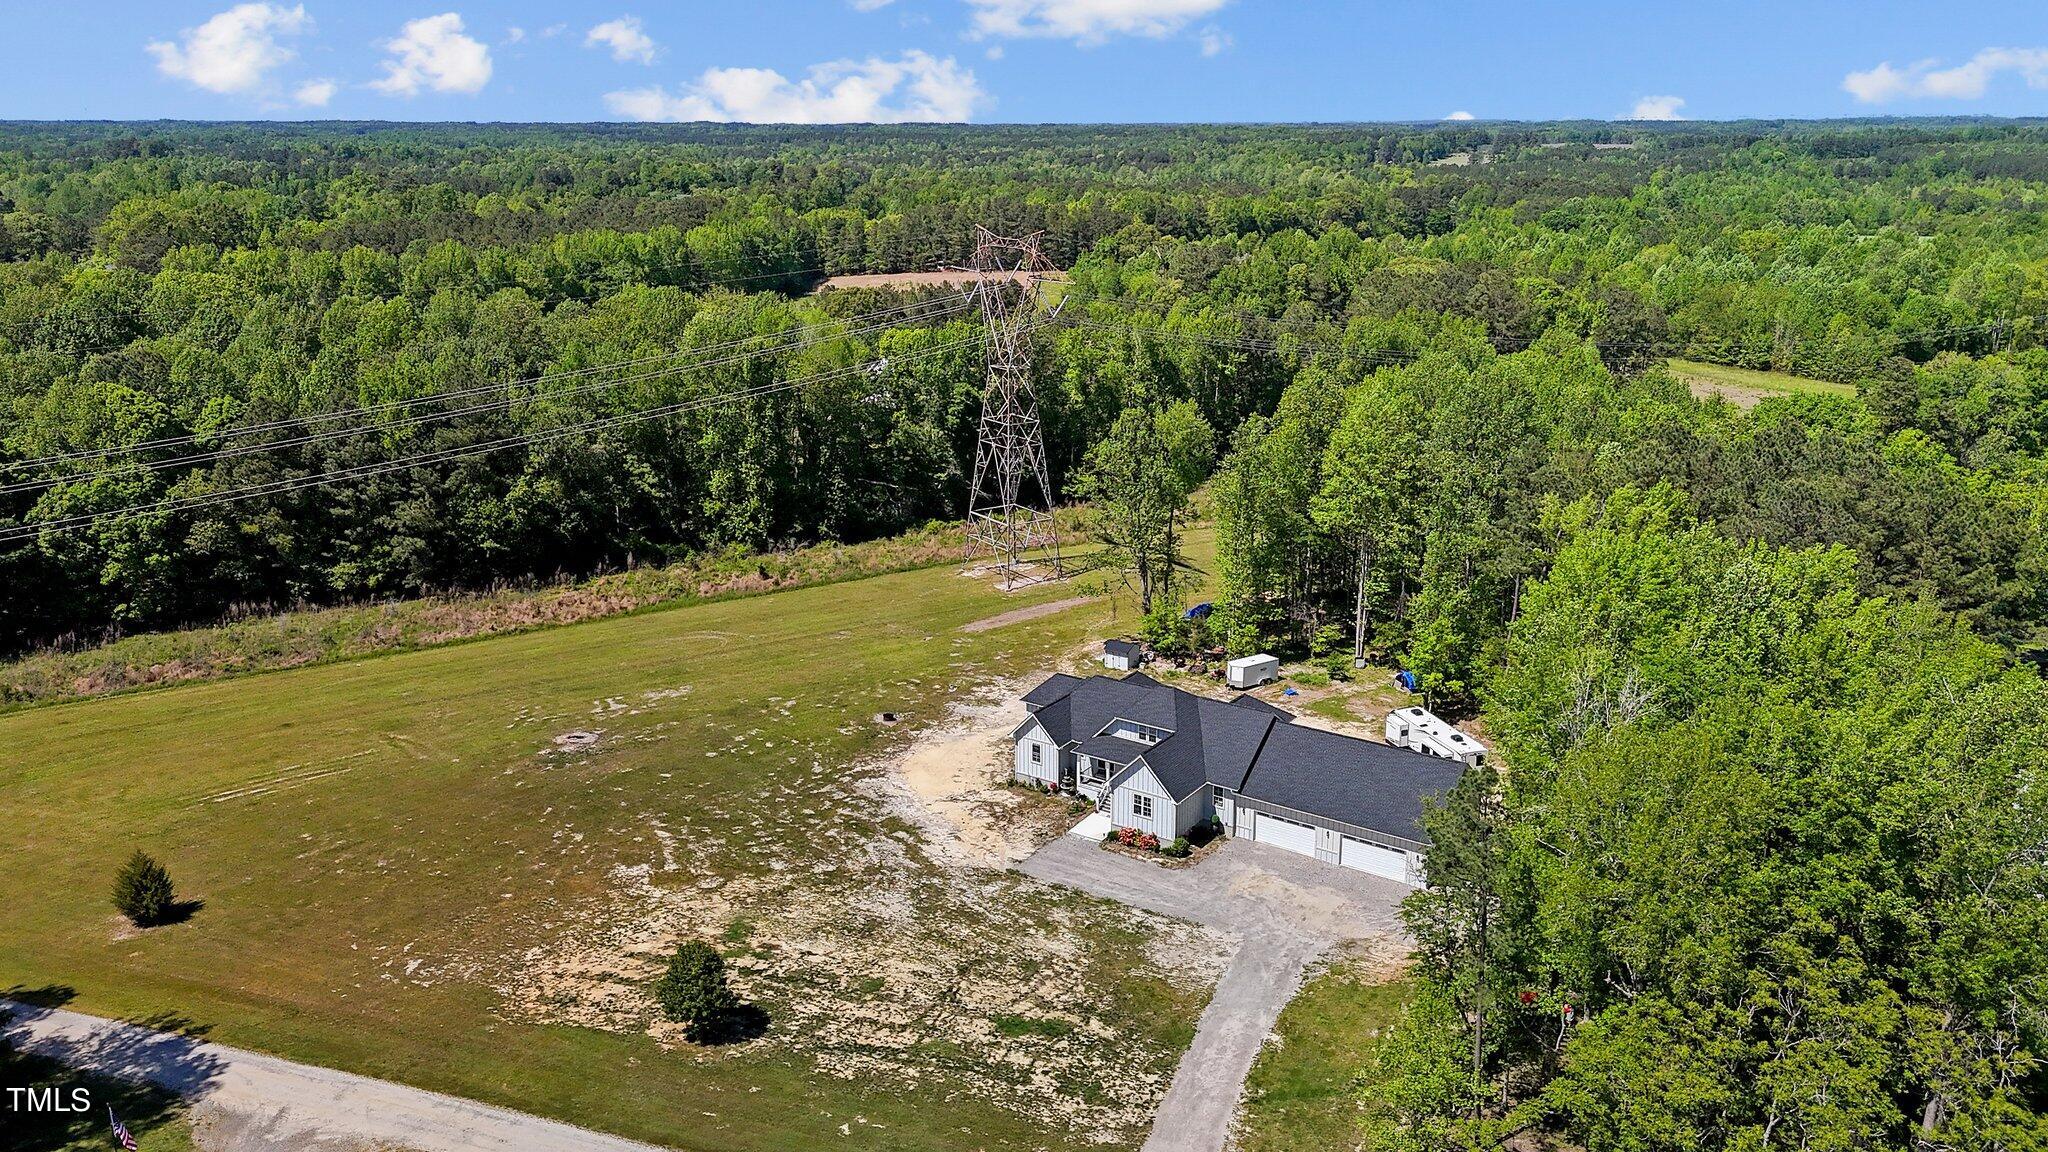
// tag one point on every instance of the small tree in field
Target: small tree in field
(142, 890)
(693, 991)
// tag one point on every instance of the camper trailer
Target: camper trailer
(1421, 730)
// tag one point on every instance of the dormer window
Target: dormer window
(1132, 730)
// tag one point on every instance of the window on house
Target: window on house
(1037, 755)
(1141, 807)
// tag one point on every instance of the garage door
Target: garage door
(1284, 834)
(1356, 853)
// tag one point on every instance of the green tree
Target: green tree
(1372, 488)
(693, 992)
(143, 892)
(1141, 476)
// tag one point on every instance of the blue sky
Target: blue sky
(1018, 60)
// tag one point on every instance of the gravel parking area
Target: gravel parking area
(1284, 909)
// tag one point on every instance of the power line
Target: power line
(502, 402)
(437, 397)
(13, 533)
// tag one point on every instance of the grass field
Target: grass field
(1747, 387)
(404, 876)
(1309, 1084)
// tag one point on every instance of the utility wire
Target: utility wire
(232, 452)
(13, 533)
(240, 431)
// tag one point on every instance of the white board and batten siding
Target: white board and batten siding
(1131, 798)
(1046, 767)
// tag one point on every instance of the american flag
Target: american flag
(121, 1133)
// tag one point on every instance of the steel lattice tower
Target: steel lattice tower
(1006, 516)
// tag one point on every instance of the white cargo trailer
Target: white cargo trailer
(1252, 671)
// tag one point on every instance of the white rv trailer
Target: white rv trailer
(1424, 731)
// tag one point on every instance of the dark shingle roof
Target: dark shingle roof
(1053, 716)
(1114, 749)
(1124, 648)
(1348, 779)
(1056, 685)
(1246, 745)
(1258, 705)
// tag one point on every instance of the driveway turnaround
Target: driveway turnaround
(1284, 909)
(244, 1101)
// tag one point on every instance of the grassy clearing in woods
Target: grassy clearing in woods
(1747, 387)
(1309, 1085)
(411, 870)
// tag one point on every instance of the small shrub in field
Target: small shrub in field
(693, 991)
(1178, 849)
(142, 890)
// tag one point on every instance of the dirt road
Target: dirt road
(246, 1101)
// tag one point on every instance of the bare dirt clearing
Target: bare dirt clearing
(1019, 615)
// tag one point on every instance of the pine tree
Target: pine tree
(142, 890)
(693, 991)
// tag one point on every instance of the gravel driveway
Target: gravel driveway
(1283, 908)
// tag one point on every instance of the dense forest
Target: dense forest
(1764, 866)
(189, 314)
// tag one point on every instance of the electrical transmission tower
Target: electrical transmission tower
(1009, 509)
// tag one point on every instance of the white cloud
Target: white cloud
(315, 93)
(235, 50)
(624, 36)
(1965, 81)
(913, 88)
(870, 5)
(1460, 114)
(1216, 41)
(514, 34)
(1656, 108)
(994, 52)
(1087, 22)
(432, 52)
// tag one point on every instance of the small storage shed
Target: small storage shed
(1252, 671)
(1121, 655)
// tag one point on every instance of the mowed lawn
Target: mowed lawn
(387, 849)
(1313, 1082)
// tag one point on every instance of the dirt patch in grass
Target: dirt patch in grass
(949, 783)
(897, 948)
(1019, 615)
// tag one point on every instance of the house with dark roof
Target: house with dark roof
(1163, 761)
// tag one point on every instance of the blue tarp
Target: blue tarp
(1199, 612)
(1405, 679)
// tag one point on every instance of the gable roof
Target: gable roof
(1056, 685)
(1125, 648)
(1246, 745)
(1344, 778)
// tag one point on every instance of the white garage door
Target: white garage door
(1372, 858)
(1286, 834)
